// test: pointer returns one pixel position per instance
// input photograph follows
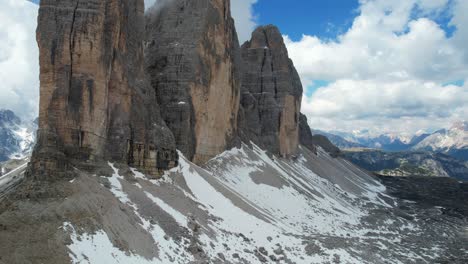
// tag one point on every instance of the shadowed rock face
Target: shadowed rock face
(325, 144)
(192, 56)
(271, 93)
(95, 99)
(305, 134)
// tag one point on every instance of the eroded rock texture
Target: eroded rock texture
(271, 94)
(192, 56)
(95, 99)
(305, 134)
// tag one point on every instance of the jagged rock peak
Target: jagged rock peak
(192, 56)
(95, 99)
(271, 93)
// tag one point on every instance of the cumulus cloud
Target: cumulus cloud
(19, 63)
(394, 106)
(244, 16)
(149, 3)
(387, 72)
(242, 13)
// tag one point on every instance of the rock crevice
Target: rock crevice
(193, 57)
(271, 94)
(96, 102)
(118, 85)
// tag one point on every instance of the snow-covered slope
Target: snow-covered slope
(17, 137)
(451, 141)
(242, 207)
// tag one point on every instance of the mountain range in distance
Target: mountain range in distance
(17, 137)
(409, 163)
(443, 153)
(452, 141)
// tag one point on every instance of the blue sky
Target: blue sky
(396, 66)
(326, 19)
(321, 18)
(388, 66)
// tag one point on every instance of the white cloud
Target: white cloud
(460, 20)
(242, 13)
(149, 3)
(19, 64)
(388, 70)
(397, 106)
(244, 16)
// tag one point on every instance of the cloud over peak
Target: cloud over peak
(19, 58)
(388, 71)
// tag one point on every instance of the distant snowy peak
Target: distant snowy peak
(17, 137)
(363, 138)
(8, 119)
(445, 140)
(460, 125)
(453, 141)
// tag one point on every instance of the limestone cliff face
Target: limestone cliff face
(305, 134)
(95, 99)
(271, 94)
(192, 57)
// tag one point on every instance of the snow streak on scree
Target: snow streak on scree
(246, 207)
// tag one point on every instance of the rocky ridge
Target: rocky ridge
(113, 89)
(192, 56)
(271, 93)
(17, 137)
(243, 206)
(306, 138)
(452, 141)
(415, 163)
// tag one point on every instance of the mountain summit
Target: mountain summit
(271, 93)
(99, 103)
(17, 137)
(193, 60)
(96, 102)
(453, 141)
(161, 140)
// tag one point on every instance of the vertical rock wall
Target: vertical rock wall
(97, 102)
(271, 94)
(305, 134)
(95, 99)
(192, 57)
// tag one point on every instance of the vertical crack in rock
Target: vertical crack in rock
(193, 57)
(71, 42)
(271, 94)
(95, 98)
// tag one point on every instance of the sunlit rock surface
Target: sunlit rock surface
(193, 57)
(95, 100)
